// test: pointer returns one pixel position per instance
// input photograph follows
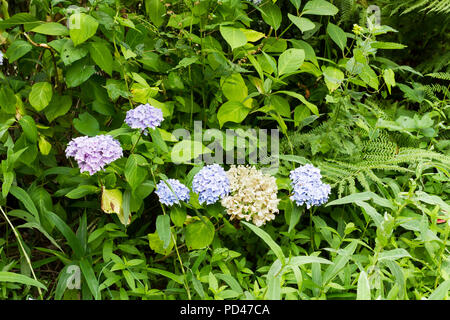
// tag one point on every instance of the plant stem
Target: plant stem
(27, 258)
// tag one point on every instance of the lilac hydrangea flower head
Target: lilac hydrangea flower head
(144, 116)
(93, 153)
(168, 197)
(1, 58)
(308, 187)
(211, 183)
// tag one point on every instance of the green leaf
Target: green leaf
(82, 191)
(23, 196)
(40, 95)
(300, 97)
(363, 289)
(44, 146)
(178, 215)
(155, 10)
(304, 24)
(271, 14)
(389, 78)
(157, 245)
(51, 29)
(199, 234)
(333, 77)
(27, 20)
(232, 111)
(233, 36)
(310, 55)
(267, 239)
(67, 232)
(290, 60)
(163, 229)
(102, 56)
(387, 45)
(320, 7)
(301, 260)
(89, 276)
(337, 35)
(7, 100)
(234, 88)
(17, 50)
(135, 172)
(252, 35)
(82, 27)
(441, 292)
(186, 150)
(58, 106)
(70, 53)
(29, 128)
(20, 278)
(177, 278)
(369, 76)
(86, 124)
(296, 3)
(295, 214)
(393, 254)
(340, 262)
(78, 73)
(280, 105)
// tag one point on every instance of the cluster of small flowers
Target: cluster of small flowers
(253, 195)
(308, 187)
(174, 194)
(211, 183)
(257, 2)
(93, 153)
(357, 29)
(1, 58)
(144, 116)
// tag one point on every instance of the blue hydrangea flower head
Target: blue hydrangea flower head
(93, 153)
(211, 183)
(144, 116)
(168, 197)
(308, 187)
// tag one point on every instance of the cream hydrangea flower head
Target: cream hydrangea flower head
(253, 195)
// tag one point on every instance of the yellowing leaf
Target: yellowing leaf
(252, 35)
(112, 203)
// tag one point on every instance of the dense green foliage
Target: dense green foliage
(366, 103)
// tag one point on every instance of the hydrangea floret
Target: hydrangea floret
(211, 184)
(143, 117)
(169, 197)
(308, 187)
